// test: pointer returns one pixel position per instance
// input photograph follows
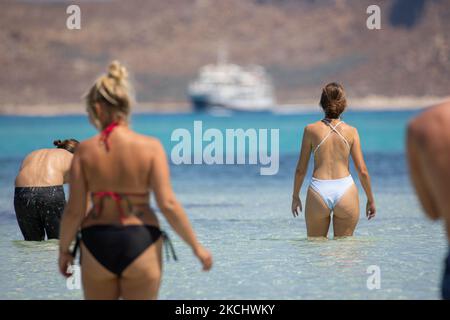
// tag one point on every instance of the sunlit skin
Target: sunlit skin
(331, 162)
(44, 168)
(428, 152)
(134, 164)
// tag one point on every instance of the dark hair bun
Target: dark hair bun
(57, 143)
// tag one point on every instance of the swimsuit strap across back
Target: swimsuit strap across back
(117, 197)
(332, 129)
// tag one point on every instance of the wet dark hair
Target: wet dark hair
(333, 100)
(69, 144)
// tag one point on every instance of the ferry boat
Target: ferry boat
(229, 86)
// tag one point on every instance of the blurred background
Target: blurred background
(302, 44)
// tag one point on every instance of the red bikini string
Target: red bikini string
(116, 197)
(104, 135)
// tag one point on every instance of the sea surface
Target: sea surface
(260, 251)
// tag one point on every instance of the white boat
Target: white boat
(229, 86)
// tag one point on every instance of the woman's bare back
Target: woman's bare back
(124, 168)
(331, 159)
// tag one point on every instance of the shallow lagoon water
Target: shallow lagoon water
(260, 251)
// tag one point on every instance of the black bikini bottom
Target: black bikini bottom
(117, 246)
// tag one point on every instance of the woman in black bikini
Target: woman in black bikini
(121, 242)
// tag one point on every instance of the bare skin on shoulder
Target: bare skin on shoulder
(44, 168)
(332, 142)
(428, 148)
(121, 240)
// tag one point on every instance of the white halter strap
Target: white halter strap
(333, 129)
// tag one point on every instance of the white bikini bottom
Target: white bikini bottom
(331, 191)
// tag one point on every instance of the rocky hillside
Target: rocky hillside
(303, 44)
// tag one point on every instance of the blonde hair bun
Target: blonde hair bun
(113, 91)
(117, 72)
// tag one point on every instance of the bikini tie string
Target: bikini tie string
(76, 246)
(104, 135)
(168, 246)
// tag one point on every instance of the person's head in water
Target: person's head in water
(69, 144)
(333, 101)
(109, 99)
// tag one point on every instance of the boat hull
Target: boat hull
(202, 103)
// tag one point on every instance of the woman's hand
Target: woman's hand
(64, 261)
(204, 256)
(296, 205)
(370, 209)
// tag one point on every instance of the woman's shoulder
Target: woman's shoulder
(312, 126)
(317, 128)
(147, 142)
(349, 127)
(145, 139)
(142, 140)
(83, 145)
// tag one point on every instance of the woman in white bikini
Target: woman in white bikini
(332, 189)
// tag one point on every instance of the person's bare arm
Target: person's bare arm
(363, 174)
(417, 176)
(171, 208)
(300, 171)
(74, 213)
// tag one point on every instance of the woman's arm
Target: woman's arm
(74, 213)
(363, 174)
(300, 171)
(171, 208)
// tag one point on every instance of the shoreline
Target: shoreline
(370, 103)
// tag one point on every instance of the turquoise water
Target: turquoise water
(260, 251)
